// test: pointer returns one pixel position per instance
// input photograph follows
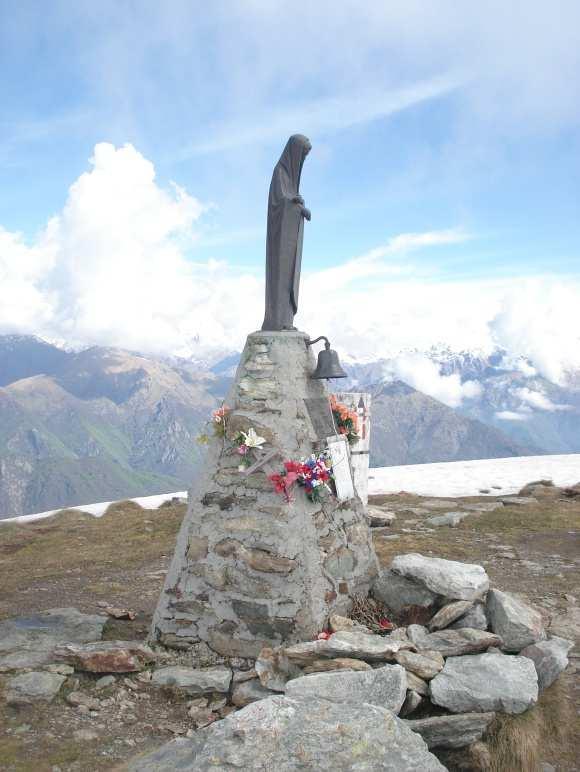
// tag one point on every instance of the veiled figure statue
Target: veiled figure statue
(286, 215)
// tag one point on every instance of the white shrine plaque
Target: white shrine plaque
(339, 455)
(360, 403)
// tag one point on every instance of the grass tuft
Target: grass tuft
(522, 742)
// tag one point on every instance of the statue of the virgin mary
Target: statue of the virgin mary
(286, 215)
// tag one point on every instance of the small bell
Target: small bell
(328, 363)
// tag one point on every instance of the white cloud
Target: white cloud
(116, 267)
(509, 415)
(420, 372)
(539, 401)
(540, 320)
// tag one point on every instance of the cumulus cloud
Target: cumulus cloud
(538, 401)
(540, 320)
(117, 267)
(420, 372)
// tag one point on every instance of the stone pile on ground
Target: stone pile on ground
(482, 652)
(350, 697)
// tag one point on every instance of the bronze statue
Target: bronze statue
(286, 215)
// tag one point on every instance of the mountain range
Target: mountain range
(103, 424)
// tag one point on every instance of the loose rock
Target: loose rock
(453, 643)
(518, 624)
(30, 687)
(344, 644)
(449, 613)
(474, 618)
(287, 735)
(194, 681)
(379, 518)
(486, 682)
(412, 702)
(456, 581)
(105, 682)
(385, 686)
(424, 665)
(80, 699)
(249, 691)
(274, 669)
(397, 592)
(452, 731)
(107, 656)
(550, 659)
(201, 716)
(449, 518)
(417, 684)
(28, 642)
(341, 663)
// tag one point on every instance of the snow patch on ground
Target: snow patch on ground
(468, 478)
(98, 510)
(449, 479)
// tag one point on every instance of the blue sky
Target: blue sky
(424, 118)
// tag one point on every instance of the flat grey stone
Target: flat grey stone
(518, 624)
(29, 687)
(550, 659)
(396, 592)
(475, 618)
(28, 642)
(449, 614)
(375, 648)
(518, 501)
(380, 518)
(438, 504)
(105, 682)
(385, 686)
(486, 682)
(249, 691)
(453, 643)
(287, 735)
(453, 580)
(451, 519)
(194, 681)
(452, 731)
(425, 665)
(416, 633)
(483, 506)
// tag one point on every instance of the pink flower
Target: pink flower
(242, 450)
(324, 635)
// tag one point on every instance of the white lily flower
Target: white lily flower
(252, 440)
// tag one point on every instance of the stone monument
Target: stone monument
(252, 567)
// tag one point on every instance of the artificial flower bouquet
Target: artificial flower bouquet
(346, 420)
(314, 474)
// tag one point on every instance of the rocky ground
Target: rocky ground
(529, 547)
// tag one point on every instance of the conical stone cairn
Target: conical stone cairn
(251, 569)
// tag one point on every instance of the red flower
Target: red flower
(324, 635)
(283, 482)
(293, 466)
(385, 624)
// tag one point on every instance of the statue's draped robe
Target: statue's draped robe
(284, 237)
